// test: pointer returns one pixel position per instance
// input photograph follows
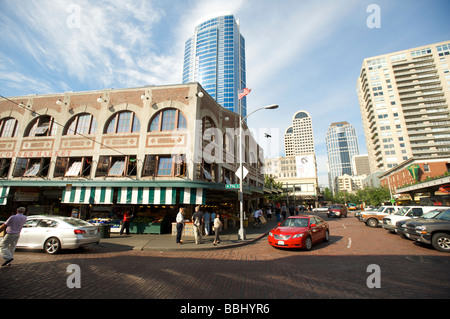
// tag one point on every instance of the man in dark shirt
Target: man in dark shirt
(197, 219)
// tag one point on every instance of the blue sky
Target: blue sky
(301, 54)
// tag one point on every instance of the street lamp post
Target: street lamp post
(241, 169)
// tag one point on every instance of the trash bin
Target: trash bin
(105, 230)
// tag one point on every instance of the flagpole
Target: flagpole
(245, 92)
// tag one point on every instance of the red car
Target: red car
(299, 232)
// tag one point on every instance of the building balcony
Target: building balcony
(416, 77)
(418, 81)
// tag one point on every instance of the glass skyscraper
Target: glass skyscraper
(215, 57)
(342, 145)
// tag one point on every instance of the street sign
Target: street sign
(238, 172)
(232, 186)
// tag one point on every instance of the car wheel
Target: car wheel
(372, 222)
(52, 245)
(441, 242)
(308, 243)
(327, 235)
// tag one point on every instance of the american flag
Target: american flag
(243, 92)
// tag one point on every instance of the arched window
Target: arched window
(123, 122)
(42, 126)
(81, 124)
(208, 123)
(168, 120)
(9, 127)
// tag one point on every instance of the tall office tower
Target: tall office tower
(215, 57)
(298, 138)
(342, 146)
(298, 169)
(404, 100)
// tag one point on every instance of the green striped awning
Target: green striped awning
(4, 195)
(87, 195)
(160, 195)
(194, 196)
(147, 195)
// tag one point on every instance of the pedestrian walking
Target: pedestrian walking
(217, 225)
(126, 223)
(269, 213)
(180, 225)
(284, 211)
(277, 213)
(207, 219)
(13, 226)
(256, 215)
(197, 219)
(213, 216)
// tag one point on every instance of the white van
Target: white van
(407, 212)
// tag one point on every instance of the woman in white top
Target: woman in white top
(217, 225)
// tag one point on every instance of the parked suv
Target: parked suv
(407, 212)
(373, 218)
(434, 231)
(337, 210)
(400, 227)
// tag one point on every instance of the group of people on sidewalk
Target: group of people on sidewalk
(201, 221)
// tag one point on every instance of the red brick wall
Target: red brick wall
(403, 177)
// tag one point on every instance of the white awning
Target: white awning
(147, 195)
(87, 195)
(194, 196)
(160, 195)
(4, 195)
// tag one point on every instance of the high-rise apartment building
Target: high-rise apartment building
(342, 146)
(298, 138)
(404, 101)
(215, 57)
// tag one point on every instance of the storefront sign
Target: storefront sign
(26, 197)
(27, 154)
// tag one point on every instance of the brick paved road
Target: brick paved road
(337, 269)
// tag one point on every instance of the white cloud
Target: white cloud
(96, 43)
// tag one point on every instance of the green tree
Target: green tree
(270, 182)
(374, 195)
(327, 194)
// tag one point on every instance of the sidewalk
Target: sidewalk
(228, 238)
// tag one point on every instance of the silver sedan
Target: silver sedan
(53, 233)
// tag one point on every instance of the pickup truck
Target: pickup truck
(373, 218)
(434, 231)
(407, 212)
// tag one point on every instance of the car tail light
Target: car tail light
(79, 232)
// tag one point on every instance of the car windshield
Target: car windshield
(445, 215)
(380, 209)
(431, 214)
(76, 222)
(335, 206)
(402, 211)
(295, 222)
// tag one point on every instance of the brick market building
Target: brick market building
(150, 149)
